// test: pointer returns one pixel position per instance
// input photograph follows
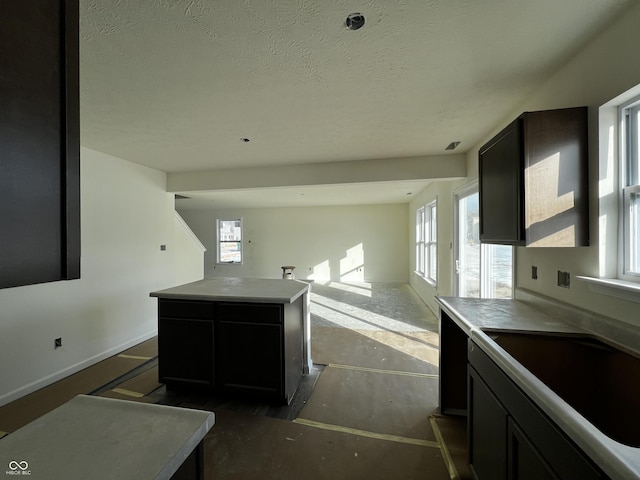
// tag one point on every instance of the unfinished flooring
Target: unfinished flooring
(368, 410)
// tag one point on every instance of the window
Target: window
(630, 186)
(431, 242)
(481, 270)
(420, 249)
(229, 240)
(426, 242)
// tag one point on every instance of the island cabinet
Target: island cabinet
(533, 184)
(231, 347)
(510, 437)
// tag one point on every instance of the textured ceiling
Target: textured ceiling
(175, 84)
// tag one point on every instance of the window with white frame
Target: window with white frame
(420, 246)
(630, 187)
(426, 242)
(229, 232)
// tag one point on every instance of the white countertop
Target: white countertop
(477, 316)
(103, 438)
(501, 314)
(253, 290)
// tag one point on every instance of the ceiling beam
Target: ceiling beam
(329, 173)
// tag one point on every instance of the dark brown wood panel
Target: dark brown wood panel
(487, 431)
(39, 142)
(453, 367)
(185, 352)
(251, 349)
(533, 181)
(500, 187)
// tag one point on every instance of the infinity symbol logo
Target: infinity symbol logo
(23, 465)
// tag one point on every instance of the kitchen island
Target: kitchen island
(105, 439)
(242, 336)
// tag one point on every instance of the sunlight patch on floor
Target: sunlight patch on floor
(360, 288)
(350, 316)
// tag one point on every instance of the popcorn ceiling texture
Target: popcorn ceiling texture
(175, 84)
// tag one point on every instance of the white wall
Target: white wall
(442, 193)
(188, 265)
(357, 243)
(604, 69)
(126, 215)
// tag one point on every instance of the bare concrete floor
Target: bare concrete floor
(369, 410)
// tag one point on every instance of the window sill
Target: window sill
(426, 279)
(614, 287)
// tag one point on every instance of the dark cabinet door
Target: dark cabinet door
(500, 187)
(487, 431)
(524, 460)
(39, 142)
(533, 181)
(185, 352)
(249, 357)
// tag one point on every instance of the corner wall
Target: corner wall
(443, 194)
(126, 215)
(350, 243)
(602, 70)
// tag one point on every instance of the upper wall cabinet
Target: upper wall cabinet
(39, 142)
(533, 181)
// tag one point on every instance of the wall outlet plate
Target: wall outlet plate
(564, 279)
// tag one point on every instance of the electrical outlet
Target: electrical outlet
(57, 343)
(534, 272)
(564, 279)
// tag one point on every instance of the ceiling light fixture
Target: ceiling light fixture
(354, 21)
(452, 146)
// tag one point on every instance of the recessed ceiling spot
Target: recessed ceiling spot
(452, 146)
(354, 21)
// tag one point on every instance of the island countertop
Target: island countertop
(105, 438)
(252, 290)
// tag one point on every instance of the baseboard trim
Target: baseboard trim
(70, 370)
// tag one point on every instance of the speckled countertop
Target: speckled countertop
(253, 290)
(477, 317)
(105, 438)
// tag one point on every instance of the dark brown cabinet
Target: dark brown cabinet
(39, 142)
(510, 437)
(453, 367)
(252, 349)
(533, 181)
(487, 432)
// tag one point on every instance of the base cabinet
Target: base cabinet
(231, 347)
(524, 461)
(248, 357)
(185, 353)
(487, 431)
(510, 437)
